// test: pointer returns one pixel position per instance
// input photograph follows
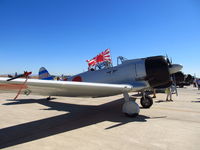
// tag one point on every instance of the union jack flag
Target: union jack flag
(102, 57)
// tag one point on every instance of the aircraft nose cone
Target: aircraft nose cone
(175, 68)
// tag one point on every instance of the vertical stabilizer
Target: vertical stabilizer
(44, 74)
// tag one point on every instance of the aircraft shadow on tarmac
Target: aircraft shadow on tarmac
(77, 116)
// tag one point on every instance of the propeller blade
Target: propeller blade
(169, 63)
(170, 60)
(25, 74)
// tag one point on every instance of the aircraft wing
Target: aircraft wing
(65, 88)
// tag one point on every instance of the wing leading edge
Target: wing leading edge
(66, 88)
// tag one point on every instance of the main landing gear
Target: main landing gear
(130, 107)
(146, 101)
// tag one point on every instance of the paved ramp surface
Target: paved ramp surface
(32, 122)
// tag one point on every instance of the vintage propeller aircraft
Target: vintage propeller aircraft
(128, 76)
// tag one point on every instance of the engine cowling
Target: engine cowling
(157, 71)
(179, 77)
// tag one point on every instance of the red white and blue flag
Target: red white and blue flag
(102, 57)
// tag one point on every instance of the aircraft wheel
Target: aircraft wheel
(48, 98)
(181, 85)
(131, 108)
(146, 102)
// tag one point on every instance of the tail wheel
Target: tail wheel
(146, 102)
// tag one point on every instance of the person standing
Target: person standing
(195, 82)
(154, 93)
(198, 84)
(169, 94)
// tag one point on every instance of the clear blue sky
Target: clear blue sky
(61, 34)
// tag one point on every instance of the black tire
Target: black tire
(131, 116)
(147, 102)
(181, 85)
(48, 98)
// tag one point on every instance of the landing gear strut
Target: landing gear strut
(146, 101)
(130, 107)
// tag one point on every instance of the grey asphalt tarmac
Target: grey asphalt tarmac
(32, 122)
